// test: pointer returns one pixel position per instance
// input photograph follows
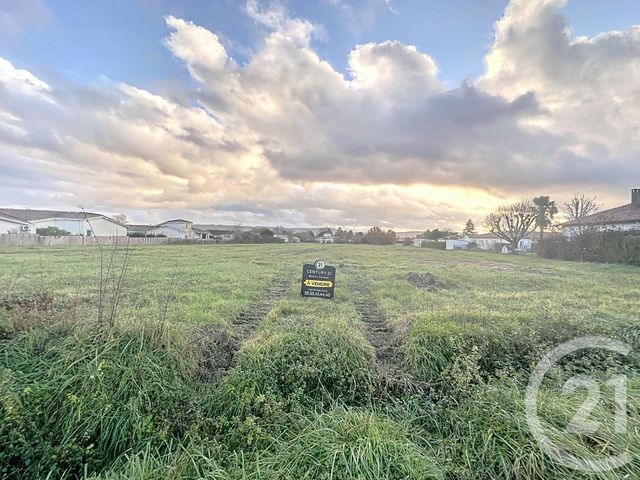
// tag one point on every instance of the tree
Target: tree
(265, 233)
(121, 218)
(546, 210)
(469, 229)
(437, 234)
(513, 222)
(377, 236)
(580, 206)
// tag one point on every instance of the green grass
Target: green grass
(305, 397)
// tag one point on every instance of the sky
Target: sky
(398, 113)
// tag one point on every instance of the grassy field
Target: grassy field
(204, 362)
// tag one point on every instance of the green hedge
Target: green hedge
(603, 247)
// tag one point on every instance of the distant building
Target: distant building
(624, 218)
(457, 244)
(76, 223)
(287, 238)
(325, 236)
(207, 232)
(10, 224)
(177, 228)
(420, 242)
(488, 241)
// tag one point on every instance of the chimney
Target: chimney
(635, 197)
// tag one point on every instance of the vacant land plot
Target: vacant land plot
(204, 362)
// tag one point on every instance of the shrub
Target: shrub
(195, 460)
(603, 247)
(307, 367)
(449, 347)
(6, 323)
(488, 436)
(75, 401)
(435, 245)
(345, 444)
(52, 232)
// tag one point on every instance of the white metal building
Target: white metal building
(76, 223)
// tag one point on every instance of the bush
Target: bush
(603, 247)
(435, 245)
(52, 232)
(72, 400)
(195, 460)
(310, 366)
(488, 436)
(452, 348)
(346, 444)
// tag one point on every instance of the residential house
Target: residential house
(457, 244)
(286, 238)
(209, 232)
(623, 218)
(10, 224)
(177, 228)
(325, 236)
(488, 241)
(76, 223)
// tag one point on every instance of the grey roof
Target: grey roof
(141, 228)
(625, 214)
(181, 220)
(29, 215)
(11, 218)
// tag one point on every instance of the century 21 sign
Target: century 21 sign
(318, 280)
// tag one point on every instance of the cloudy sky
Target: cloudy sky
(405, 114)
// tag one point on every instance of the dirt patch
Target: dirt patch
(427, 282)
(247, 320)
(20, 312)
(216, 347)
(40, 302)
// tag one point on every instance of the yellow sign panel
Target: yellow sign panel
(319, 283)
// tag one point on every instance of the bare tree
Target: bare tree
(513, 222)
(121, 218)
(580, 206)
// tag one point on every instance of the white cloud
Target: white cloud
(287, 139)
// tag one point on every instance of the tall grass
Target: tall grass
(73, 400)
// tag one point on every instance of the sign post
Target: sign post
(318, 280)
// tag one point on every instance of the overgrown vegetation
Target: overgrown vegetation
(593, 246)
(302, 396)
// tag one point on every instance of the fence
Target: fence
(30, 240)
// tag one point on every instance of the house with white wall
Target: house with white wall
(76, 223)
(488, 241)
(624, 218)
(13, 225)
(325, 236)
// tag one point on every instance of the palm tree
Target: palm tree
(546, 210)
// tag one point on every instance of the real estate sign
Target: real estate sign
(318, 280)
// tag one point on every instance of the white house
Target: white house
(177, 228)
(209, 232)
(76, 223)
(325, 236)
(10, 224)
(488, 241)
(457, 244)
(624, 218)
